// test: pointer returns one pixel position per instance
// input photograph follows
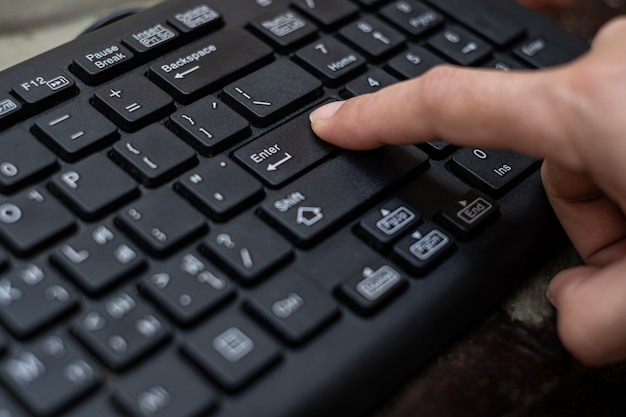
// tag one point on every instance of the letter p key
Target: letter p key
(71, 179)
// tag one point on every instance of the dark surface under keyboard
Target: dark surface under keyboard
(175, 241)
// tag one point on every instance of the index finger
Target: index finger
(531, 112)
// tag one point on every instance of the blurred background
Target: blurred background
(28, 27)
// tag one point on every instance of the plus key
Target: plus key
(133, 102)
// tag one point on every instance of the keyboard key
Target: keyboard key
(98, 258)
(31, 220)
(9, 109)
(133, 102)
(100, 63)
(33, 296)
(75, 130)
(413, 62)
(196, 19)
(23, 159)
(437, 149)
(49, 375)
(193, 70)
(372, 37)
(45, 87)
(460, 46)
(491, 171)
(369, 3)
(331, 60)
(285, 29)
(154, 155)
(312, 206)
(271, 92)
(152, 39)
(249, 256)
(121, 331)
(162, 221)
(483, 19)
(209, 125)
(91, 194)
(412, 16)
(292, 306)
(541, 53)
(423, 249)
(504, 63)
(187, 287)
(386, 223)
(372, 288)
(373, 80)
(327, 13)
(99, 405)
(470, 213)
(220, 188)
(167, 388)
(9, 406)
(231, 349)
(277, 157)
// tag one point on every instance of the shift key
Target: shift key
(322, 200)
(204, 65)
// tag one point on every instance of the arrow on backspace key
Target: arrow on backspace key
(189, 71)
(274, 167)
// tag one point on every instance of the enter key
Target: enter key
(285, 152)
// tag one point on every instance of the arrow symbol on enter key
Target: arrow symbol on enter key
(185, 73)
(274, 167)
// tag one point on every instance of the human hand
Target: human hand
(572, 116)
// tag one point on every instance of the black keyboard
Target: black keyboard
(175, 241)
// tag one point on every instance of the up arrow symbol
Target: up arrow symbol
(463, 203)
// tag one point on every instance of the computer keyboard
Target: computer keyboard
(175, 241)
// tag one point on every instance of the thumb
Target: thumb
(592, 312)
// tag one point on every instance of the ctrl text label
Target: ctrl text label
(106, 57)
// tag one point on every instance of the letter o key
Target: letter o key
(8, 169)
(10, 213)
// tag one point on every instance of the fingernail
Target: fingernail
(325, 112)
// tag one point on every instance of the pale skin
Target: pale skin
(574, 117)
